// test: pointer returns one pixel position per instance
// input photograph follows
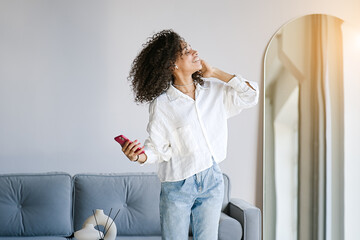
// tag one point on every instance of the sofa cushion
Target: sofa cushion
(139, 238)
(34, 238)
(35, 204)
(136, 195)
(133, 238)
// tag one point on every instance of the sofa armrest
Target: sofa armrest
(249, 216)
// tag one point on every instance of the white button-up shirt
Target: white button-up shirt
(184, 134)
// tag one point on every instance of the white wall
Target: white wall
(351, 130)
(63, 68)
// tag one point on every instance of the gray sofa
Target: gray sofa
(55, 205)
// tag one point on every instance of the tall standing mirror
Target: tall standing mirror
(304, 131)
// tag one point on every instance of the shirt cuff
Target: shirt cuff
(239, 83)
(151, 156)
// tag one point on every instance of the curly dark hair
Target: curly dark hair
(151, 71)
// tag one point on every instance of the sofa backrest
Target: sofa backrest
(36, 204)
(136, 195)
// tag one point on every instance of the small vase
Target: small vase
(101, 219)
(88, 232)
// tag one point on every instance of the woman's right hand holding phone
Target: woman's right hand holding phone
(132, 150)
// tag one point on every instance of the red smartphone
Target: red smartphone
(122, 139)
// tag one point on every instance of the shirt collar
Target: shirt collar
(173, 93)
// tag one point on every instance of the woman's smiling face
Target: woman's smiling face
(188, 61)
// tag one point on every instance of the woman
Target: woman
(187, 131)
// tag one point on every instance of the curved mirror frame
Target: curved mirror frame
(304, 130)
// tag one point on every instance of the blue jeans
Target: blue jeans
(195, 201)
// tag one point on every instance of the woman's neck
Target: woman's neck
(185, 85)
(183, 80)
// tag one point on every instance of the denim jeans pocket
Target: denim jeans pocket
(216, 168)
(218, 175)
(172, 186)
(172, 190)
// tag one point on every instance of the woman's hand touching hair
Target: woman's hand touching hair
(207, 71)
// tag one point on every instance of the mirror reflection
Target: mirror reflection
(304, 130)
